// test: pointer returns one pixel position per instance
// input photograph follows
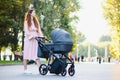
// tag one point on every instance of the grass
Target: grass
(10, 62)
(19, 62)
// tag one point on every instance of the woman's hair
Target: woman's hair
(28, 19)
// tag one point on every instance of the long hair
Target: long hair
(28, 19)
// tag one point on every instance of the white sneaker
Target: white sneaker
(27, 72)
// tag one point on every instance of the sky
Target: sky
(91, 21)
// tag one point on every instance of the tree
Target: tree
(83, 49)
(105, 41)
(11, 20)
(56, 13)
(12, 12)
(112, 15)
(105, 38)
(7, 23)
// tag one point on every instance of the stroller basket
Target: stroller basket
(57, 66)
(58, 47)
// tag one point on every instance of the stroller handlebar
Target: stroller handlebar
(41, 38)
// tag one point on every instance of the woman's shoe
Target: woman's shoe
(27, 72)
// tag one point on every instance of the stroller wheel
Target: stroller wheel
(71, 71)
(43, 69)
(64, 72)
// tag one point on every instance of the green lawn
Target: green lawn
(10, 62)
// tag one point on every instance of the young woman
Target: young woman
(32, 30)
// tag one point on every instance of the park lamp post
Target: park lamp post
(89, 52)
(77, 44)
(42, 18)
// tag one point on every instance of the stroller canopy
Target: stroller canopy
(61, 36)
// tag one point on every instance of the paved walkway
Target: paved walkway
(84, 71)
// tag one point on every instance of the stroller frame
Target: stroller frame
(60, 62)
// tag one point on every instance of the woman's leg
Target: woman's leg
(25, 64)
(26, 71)
(38, 62)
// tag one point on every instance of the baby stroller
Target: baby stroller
(57, 53)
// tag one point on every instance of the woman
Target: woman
(32, 30)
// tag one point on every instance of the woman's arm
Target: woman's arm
(26, 30)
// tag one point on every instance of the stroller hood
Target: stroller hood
(61, 36)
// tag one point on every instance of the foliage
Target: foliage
(83, 49)
(56, 13)
(11, 20)
(112, 15)
(105, 38)
(101, 48)
(10, 62)
(78, 38)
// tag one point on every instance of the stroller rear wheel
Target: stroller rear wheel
(43, 69)
(64, 72)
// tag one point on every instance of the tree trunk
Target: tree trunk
(15, 42)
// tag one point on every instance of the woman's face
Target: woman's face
(33, 13)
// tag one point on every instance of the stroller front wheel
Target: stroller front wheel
(64, 72)
(43, 69)
(71, 71)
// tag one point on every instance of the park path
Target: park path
(84, 71)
